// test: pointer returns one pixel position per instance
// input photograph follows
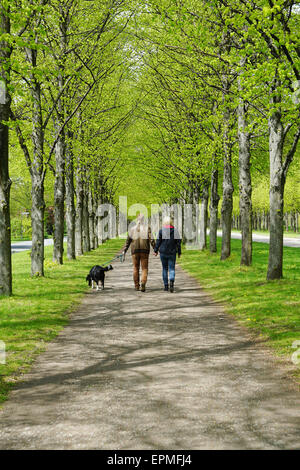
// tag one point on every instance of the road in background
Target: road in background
(263, 238)
(27, 245)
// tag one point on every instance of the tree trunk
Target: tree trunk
(99, 223)
(287, 223)
(37, 176)
(59, 201)
(276, 139)
(79, 212)
(5, 182)
(294, 221)
(245, 186)
(91, 219)
(204, 217)
(85, 223)
(95, 199)
(60, 149)
(213, 208)
(70, 205)
(259, 220)
(96, 242)
(228, 189)
(37, 224)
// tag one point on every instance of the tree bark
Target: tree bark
(95, 207)
(99, 224)
(79, 211)
(37, 175)
(204, 217)
(59, 201)
(91, 219)
(228, 189)
(276, 139)
(70, 205)
(245, 185)
(60, 149)
(213, 208)
(5, 182)
(294, 221)
(85, 222)
(37, 223)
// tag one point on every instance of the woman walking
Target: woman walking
(168, 244)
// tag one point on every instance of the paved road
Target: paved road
(262, 238)
(152, 371)
(27, 245)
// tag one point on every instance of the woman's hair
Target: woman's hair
(167, 220)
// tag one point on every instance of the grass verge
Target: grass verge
(40, 307)
(270, 309)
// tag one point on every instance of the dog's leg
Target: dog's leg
(98, 285)
(92, 284)
(102, 285)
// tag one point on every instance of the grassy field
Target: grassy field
(39, 308)
(271, 309)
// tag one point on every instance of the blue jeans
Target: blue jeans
(168, 265)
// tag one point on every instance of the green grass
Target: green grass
(39, 308)
(270, 309)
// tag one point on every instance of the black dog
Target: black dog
(96, 274)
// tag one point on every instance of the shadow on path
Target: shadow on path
(152, 371)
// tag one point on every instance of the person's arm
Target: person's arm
(179, 248)
(158, 242)
(178, 244)
(151, 239)
(127, 244)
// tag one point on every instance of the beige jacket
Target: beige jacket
(140, 239)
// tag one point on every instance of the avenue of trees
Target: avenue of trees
(165, 101)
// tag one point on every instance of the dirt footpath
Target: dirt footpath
(152, 371)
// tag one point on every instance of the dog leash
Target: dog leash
(120, 257)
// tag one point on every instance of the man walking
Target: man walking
(140, 239)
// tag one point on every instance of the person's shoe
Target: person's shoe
(143, 287)
(166, 288)
(171, 286)
(137, 287)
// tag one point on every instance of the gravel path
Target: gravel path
(152, 371)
